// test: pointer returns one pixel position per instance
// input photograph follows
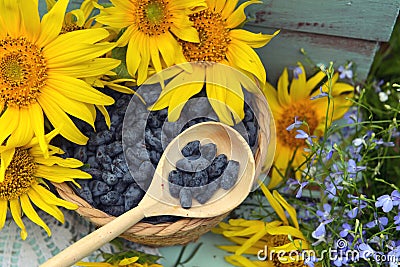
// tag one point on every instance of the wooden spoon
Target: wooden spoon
(158, 201)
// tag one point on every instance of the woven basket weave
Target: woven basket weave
(184, 230)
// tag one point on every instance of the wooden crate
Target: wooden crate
(328, 30)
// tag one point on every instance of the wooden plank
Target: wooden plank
(361, 19)
(284, 50)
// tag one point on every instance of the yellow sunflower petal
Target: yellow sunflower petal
(93, 264)
(93, 67)
(37, 120)
(272, 98)
(52, 23)
(155, 55)
(53, 160)
(6, 158)
(57, 173)
(251, 241)
(78, 90)
(15, 208)
(3, 212)
(62, 122)
(255, 40)
(52, 199)
(31, 19)
(229, 7)
(142, 72)
(128, 261)
(72, 107)
(286, 230)
(235, 99)
(238, 16)
(274, 203)
(168, 48)
(9, 122)
(288, 207)
(30, 212)
(133, 56)
(283, 87)
(24, 133)
(11, 16)
(41, 204)
(298, 86)
(244, 57)
(297, 244)
(104, 111)
(180, 96)
(314, 81)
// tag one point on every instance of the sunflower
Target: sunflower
(116, 261)
(23, 170)
(265, 239)
(299, 103)
(224, 58)
(40, 72)
(149, 30)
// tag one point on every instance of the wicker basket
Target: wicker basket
(184, 230)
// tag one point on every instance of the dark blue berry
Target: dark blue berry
(110, 178)
(114, 149)
(99, 188)
(230, 175)
(208, 151)
(80, 153)
(192, 148)
(185, 198)
(111, 198)
(175, 183)
(252, 133)
(133, 195)
(114, 210)
(217, 166)
(197, 179)
(190, 164)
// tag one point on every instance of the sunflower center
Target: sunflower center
(280, 240)
(302, 111)
(70, 27)
(23, 71)
(153, 16)
(214, 38)
(19, 175)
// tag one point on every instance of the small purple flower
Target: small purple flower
(352, 168)
(310, 260)
(385, 144)
(397, 221)
(387, 202)
(296, 72)
(321, 95)
(382, 221)
(296, 124)
(352, 213)
(346, 228)
(346, 71)
(330, 152)
(366, 251)
(303, 135)
(325, 214)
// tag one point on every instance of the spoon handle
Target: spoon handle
(96, 239)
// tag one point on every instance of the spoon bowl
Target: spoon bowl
(158, 201)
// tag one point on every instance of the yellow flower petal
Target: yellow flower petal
(286, 230)
(93, 67)
(274, 203)
(41, 204)
(15, 208)
(3, 212)
(24, 133)
(10, 14)
(229, 7)
(298, 86)
(286, 205)
(255, 40)
(61, 121)
(180, 96)
(283, 87)
(30, 212)
(59, 172)
(128, 261)
(37, 120)
(30, 18)
(6, 158)
(9, 121)
(53, 160)
(52, 199)
(52, 23)
(238, 16)
(104, 111)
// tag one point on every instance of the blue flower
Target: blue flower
(352, 168)
(310, 260)
(397, 221)
(366, 251)
(303, 135)
(296, 124)
(387, 202)
(325, 214)
(346, 71)
(296, 72)
(353, 213)
(321, 95)
(382, 221)
(346, 228)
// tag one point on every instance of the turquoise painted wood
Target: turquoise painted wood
(328, 30)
